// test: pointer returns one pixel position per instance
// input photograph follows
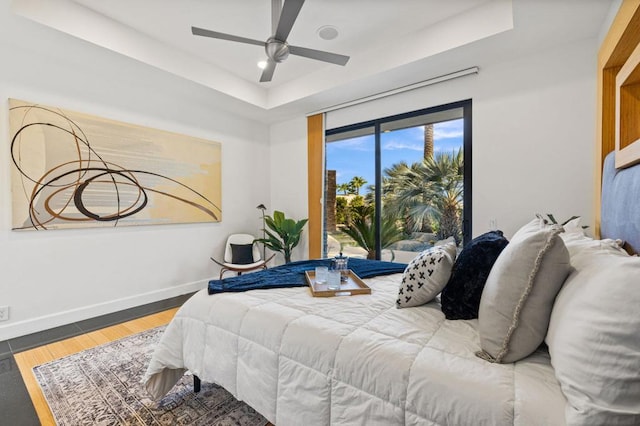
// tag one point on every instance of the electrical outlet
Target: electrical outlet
(4, 313)
(493, 224)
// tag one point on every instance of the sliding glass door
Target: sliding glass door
(398, 185)
(349, 178)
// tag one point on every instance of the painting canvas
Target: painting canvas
(73, 170)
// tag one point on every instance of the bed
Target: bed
(297, 359)
(303, 360)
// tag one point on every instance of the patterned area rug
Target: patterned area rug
(101, 386)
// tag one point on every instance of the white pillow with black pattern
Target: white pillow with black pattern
(426, 275)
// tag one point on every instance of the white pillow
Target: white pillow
(518, 296)
(426, 275)
(594, 337)
(576, 240)
(445, 241)
(573, 230)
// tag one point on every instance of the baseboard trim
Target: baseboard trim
(46, 322)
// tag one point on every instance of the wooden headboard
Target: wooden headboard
(618, 114)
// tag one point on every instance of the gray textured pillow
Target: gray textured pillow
(426, 275)
(519, 293)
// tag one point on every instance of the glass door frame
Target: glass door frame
(466, 106)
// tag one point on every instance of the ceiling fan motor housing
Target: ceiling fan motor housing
(283, 16)
(276, 50)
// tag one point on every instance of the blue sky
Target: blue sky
(355, 157)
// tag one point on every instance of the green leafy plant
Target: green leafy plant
(362, 230)
(427, 195)
(283, 233)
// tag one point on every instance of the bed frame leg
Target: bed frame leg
(196, 383)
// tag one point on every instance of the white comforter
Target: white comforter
(301, 360)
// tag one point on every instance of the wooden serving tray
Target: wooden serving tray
(353, 286)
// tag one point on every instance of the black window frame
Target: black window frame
(466, 106)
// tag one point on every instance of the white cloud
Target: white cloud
(448, 129)
(402, 144)
(446, 134)
(364, 143)
(415, 132)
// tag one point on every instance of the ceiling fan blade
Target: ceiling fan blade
(267, 73)
(319, 55)
(276, 9)
(222, 36)
(290, 11)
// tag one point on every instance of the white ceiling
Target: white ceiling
(391, 43)
(361, 24)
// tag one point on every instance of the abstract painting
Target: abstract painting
(73, 170)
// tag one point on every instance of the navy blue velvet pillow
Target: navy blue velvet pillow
(460, 298)
(241, 254)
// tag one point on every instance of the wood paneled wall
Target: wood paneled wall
(315, 148)
(621, 40)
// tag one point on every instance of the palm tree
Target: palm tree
(362, 230)
(344, 187)
(448, 211)
(406, 193)
(357, 182)
(428, 140)
(427, 191)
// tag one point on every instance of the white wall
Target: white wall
(49, 278)
(533, 134)
(289, 176)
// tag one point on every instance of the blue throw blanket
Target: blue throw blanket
(292, 274)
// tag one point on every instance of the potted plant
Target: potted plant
(283, 233)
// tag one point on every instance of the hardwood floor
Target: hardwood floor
(28, 359)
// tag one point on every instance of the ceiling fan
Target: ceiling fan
(276, 46)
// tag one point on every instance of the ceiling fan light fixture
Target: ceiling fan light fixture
(327, 32)
(276, 50)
